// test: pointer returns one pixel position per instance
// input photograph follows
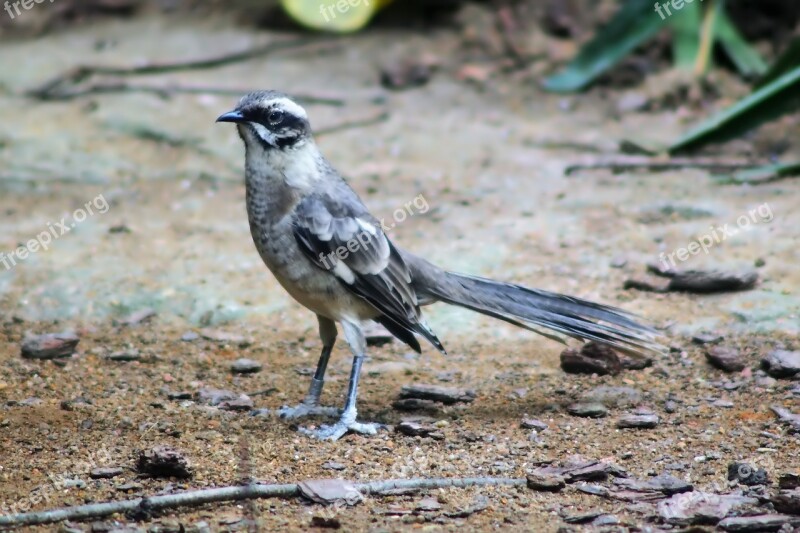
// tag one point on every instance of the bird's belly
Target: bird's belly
(312, 287)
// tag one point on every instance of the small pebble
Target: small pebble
(605, 520)
(532, 423)
(789, 481)
(634, 421)
(223, 337)
(31, 402)
(324, 522)
(246, 366)
(128, 487)
(49, 346)
(242, 403)
(445, 395)
(587, 410)
(724, 358)
(164, 461)
(214, 397)
(546, 482)
(767, 522)
(707, 338)
(105, 473)
(73, 483)
(414, 429)
(125, 356)
(137, 317)
(782, 363)
(592, 358)
(428, 504)
(747, 474)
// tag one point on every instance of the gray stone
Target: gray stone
(724, 358)
(767, 522)
(445, 395)
(587, 409)
(782, 363)
(543, 481)
(634, 421)
(246, 366)
(50, 345)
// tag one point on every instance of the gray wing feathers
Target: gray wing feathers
(344, 239)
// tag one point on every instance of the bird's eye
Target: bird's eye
(275, 117)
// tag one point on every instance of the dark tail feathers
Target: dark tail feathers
(570, 316)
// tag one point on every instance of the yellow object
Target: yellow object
(340, 16)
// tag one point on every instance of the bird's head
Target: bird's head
(270, 120)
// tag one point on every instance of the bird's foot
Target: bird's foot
(304, 409)
(340, 428)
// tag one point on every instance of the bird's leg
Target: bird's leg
(347, 422)
(310, 405)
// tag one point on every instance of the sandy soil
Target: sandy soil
(489, 161)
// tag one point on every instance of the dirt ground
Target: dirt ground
(489, 159)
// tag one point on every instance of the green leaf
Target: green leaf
(632, 25)
(771, 101)
(686, 29)
(747, 60)
(758, 175)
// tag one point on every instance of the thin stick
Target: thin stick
(383, 487)
(237, 493)
(619, 164)
(52, 89)
(108, 87)
(168, 501)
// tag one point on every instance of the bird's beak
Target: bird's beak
(231, 116)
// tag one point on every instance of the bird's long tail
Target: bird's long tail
(524, 307)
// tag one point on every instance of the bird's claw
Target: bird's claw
(339, 429)
(304, 409)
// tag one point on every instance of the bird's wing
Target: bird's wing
(341, 237)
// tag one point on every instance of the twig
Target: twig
(623, 163)
(54, 88)
(237, 493)
(167, 91)
(387, 487)
(168, 501)
(369, 121)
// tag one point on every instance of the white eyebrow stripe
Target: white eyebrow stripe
(291, 107)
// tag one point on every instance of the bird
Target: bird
(332, 256)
